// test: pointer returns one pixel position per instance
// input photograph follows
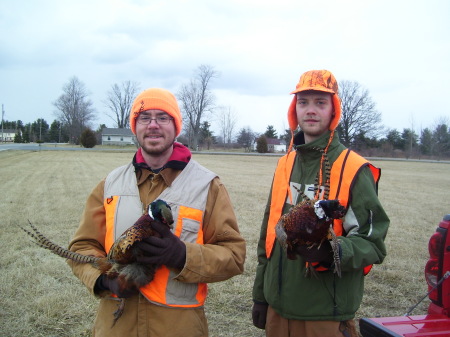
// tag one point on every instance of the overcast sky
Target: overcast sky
(398, 50)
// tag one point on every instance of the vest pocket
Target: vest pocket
(179, 293)
(190, 230)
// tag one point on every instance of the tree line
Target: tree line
(38, 131)
(432, 143)
(360, 126)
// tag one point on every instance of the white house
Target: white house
(116, 136)
(7, 135)
(274, 145)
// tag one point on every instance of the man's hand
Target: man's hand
(314, 254)
(167, 250)
(112, 284)
(259, 314)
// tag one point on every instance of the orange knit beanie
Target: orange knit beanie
(158, 99)
(318, 80)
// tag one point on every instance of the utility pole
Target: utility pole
(3, 113)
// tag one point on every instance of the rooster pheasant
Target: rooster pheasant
(310, 223)
(121, 261)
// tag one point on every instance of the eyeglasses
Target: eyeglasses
(160, 120)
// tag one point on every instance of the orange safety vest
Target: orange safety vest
(164, 289)
(342, 176)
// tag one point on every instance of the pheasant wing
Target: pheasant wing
(121, 251)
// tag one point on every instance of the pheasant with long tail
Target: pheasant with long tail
(121, 260)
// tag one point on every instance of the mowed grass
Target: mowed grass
(41, 297)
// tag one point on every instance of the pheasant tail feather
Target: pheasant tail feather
(336, 255)
(42, 241)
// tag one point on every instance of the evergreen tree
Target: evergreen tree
(245, 138)
(18, 137)
(54, 134)
(441, 138)
(261, 144)
(394, 138)
(426, 142)
(88, 138)
(270, 132)
(206, 135)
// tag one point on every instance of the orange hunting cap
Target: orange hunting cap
(158, 99)
(317, 80)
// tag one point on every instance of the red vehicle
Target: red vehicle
(437, 273)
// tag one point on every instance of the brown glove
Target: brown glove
(259, 314)
(315, 254)
(112, 284)
(167, 250)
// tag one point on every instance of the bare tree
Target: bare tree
(119, 101)
(358, 113)
(75, 109)
(227, 123)
(197, 100)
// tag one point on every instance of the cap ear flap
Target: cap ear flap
(337, 112)
(292, 114)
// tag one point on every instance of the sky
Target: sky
(399, 50)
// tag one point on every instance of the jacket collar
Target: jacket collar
(178, 160)
(321, 142)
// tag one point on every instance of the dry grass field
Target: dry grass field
(41, 297)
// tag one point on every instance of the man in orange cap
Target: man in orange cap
(203, 246)
(288, 302)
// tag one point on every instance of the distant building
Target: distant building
(116, 136)
(273, 145)
(7, 135)
(276, 145)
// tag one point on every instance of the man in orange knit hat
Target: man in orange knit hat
(203, 246)
(288, 302)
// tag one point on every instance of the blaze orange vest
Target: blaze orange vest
(122, 203)
(342, 176)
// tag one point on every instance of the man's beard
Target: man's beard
(156, 150)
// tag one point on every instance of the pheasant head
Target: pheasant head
(161, 211)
